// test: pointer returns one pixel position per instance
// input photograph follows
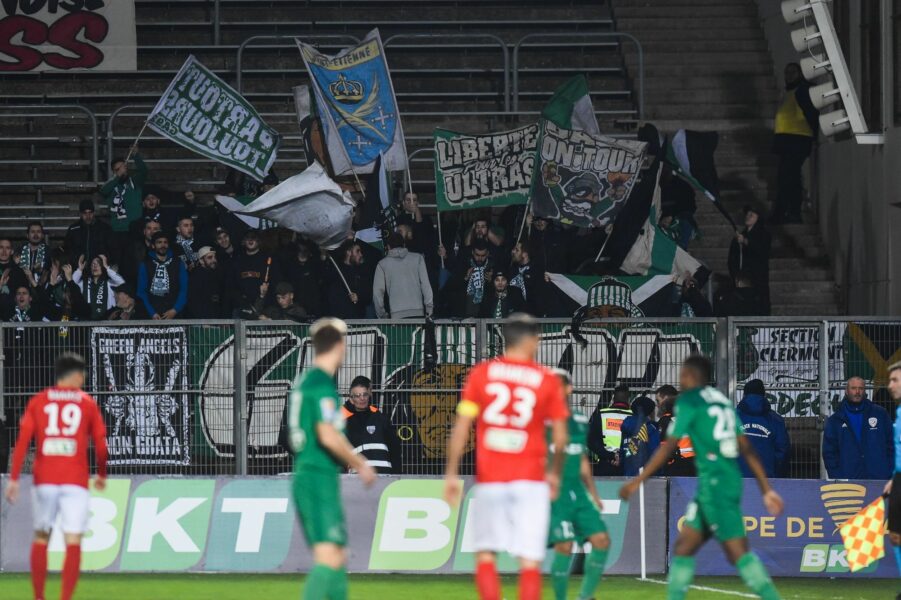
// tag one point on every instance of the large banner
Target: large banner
(786, 357)
(149, 524)
(355, 99)
(48, 35)
(204, 114)
(140, 379)
(804, 541)
(475, 171)
(585, 180)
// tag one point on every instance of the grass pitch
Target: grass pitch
(419, 587)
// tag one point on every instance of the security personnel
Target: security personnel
(605, 433)
(796, 126)
(370, 431)
(682, 463)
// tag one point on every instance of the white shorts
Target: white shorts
(70, 502)
(512, 517)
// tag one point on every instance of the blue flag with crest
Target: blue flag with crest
(355, 99)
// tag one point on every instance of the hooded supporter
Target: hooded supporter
(765, 429)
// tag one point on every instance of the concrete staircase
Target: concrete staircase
(707, 67)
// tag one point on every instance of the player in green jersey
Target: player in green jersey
(315, 424)
(706, 416)
(576, 513)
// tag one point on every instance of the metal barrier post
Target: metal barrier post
(731, 349)
(240, 398)
(824, 388)
(588, 35)
(216, 22)
(724, 376)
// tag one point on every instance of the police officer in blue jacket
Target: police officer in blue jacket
(765, 429)
(858, 441)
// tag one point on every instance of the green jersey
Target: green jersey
(707, 417)
(577, 426)
(313, 400)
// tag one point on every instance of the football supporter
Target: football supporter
(61, 419)
(893, 487)
(510, 399)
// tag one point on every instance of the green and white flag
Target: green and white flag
(620, 296)
(570, 107)
(202, 113)
(475, 171)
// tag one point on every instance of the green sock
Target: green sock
(681, 574)
(319, 583)
(594, 570)
(755, 577)
(560, 574)
(338, 589)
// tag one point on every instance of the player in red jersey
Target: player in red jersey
(61, 419)
(511, 399)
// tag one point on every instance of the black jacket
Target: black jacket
(88, 240)
(372, 435)
(306, 279)
(338, 303)
(753, 259)
(206, 294)
(246, 274)
(512, 303)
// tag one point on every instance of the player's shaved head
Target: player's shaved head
(697, 370)
(521, 331)
(326, 334)
(69, 364)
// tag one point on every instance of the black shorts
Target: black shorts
(894, 505)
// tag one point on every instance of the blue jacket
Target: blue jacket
(845, 456)
(635, 451)
(766, 431)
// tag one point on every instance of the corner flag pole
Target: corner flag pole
(644, 561)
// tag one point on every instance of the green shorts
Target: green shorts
(317, 497)
(574, 517)
(721, 518)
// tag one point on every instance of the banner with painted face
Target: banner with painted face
(140, 380)
(75, 35)
(583, 179)
(475, 171)
(203, 113)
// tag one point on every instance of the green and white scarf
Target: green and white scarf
(159, 285)
(31, 258)
(475, 287)
(98, 296)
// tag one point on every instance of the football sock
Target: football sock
(594, 570)
(560, 574)
(681, 574)
(38, 569)
(487, 581)
(338, 589)
(71, 568)
(755, 576)
(530, 584)
(898, 556)
(319, 583)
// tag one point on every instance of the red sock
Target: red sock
(38, 569)
(71, 568)
(530, 584)
(487, 581)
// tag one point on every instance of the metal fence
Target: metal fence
(209, 397)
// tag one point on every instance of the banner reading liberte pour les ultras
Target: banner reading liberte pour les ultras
(204, 114)
(149, 524)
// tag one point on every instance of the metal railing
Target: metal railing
(209, 397)
(41, 110)
(576, 39)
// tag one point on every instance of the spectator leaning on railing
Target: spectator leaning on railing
(857, 440)
(765, 429)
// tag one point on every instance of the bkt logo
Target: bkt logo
(828, 558)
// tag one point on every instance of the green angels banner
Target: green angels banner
(202, 113)
(416, 373)
(475, 171)
(585, 180)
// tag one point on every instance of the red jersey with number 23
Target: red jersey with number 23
(512, 401)
(62, 421)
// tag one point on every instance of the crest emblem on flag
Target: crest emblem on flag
(864, 536)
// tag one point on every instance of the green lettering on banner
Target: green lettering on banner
(252, 526)
(167, 525)
(101, 543)
(415, 527)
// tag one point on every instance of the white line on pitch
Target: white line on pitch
(704, 588)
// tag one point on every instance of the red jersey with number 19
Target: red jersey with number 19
(512, 401)
(62, 421)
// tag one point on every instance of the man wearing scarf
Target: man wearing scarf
(527, 278)
(185, 242)
(162, 281)
(502, 301)
(472, 276)
(34, 256)
(151, 211)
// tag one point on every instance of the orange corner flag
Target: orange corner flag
(864, 536)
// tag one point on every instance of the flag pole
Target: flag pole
(604, 245)
(131, 150)
(525, 218)
(340, 274)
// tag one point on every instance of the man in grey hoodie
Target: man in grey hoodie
(404, 278)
